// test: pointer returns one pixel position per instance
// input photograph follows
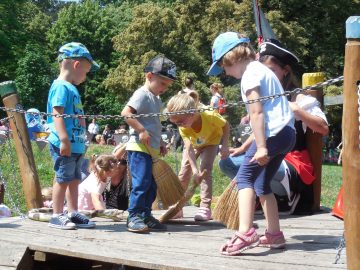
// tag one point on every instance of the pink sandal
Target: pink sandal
(240, 242)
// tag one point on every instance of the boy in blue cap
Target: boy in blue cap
(68, 135)
(145, 133)
(272, 122)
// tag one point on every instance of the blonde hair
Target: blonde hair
(46, 193)
(217, 87)
(181, 102)
(242, 52)
(195, 95)
(101, 164)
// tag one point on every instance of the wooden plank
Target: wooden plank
(186, 244)
(11, 253)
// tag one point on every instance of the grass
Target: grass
(14, 196)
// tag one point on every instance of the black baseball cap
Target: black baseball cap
(162, 66)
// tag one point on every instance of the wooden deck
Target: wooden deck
(311, 244)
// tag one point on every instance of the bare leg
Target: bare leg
(246, 200)
(72, 195)
(58, 197)
(271, 212)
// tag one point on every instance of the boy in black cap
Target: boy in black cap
(145, 133)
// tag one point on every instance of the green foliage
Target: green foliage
(33, 77)
(124, 35)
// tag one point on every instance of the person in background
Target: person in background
(189, 86)
(93, 130)
(108, 135)
(67, 137)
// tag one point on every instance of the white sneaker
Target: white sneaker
(62, 222)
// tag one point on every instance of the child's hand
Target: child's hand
(224, 152)
(65, 148)
(236, 151)
(144, 137)
(261, 156)
(198, 177)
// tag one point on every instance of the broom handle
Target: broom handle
(194, 184)
(153, 155)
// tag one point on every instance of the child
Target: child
(68, 135)
(160, 72)
(273, 129)
(202, 133)
(216, 90)
(46, 193)
(90, 190)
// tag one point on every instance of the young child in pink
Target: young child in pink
(103, 168)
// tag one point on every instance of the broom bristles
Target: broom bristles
(221, 208)
(169, 187)
(233, 201)
(173, 210)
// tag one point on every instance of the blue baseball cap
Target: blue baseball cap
(223, 44)
(76, 50)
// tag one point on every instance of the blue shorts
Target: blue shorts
(252, 175)
(66, 168)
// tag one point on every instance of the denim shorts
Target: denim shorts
(66, 168)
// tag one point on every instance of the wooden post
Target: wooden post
(23, 148)
(314, 142)
(351, 143)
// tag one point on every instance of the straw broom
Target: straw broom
(169, 188)
(227, 209)
(174, 209)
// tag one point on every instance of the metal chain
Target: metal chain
(340, 248)
(167, 114)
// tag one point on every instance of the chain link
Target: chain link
(340, 248)
(167, 114)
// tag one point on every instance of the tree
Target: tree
(33, 77)
(93, 25)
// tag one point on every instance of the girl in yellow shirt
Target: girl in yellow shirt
(202, 132)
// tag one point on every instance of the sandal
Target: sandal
(240, 242)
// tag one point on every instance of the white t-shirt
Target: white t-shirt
(312, 106)
(93, 128)
(215, 100)
(90, 185)
(277, 112)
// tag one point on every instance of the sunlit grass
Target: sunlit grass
(14, 196)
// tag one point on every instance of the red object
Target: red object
(221, 108)
(302, 163)
(338, 209)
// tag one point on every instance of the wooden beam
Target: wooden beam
(351, 142)
(314, 140)
(23, 147)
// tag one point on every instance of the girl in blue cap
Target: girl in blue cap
(273, 127)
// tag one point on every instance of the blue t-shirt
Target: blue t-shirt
(64, 94)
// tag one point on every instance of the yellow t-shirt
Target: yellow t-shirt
(211, 132)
